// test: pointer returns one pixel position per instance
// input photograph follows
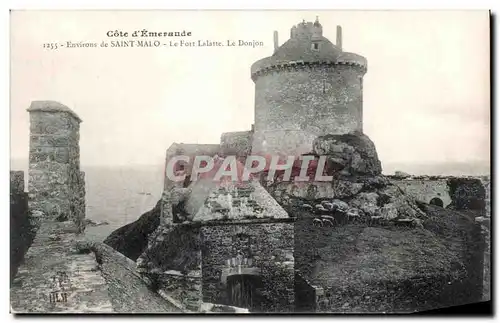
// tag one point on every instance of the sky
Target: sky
(426, 92)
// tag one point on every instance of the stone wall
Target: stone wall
(21, 235)
(128, 291)
(238, 143)
(462, 193)
(269, 245)
(425, 189)
(295, 105)
(55, 184)
(308, 297)
(185, 288)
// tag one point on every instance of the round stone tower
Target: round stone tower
(309, 87)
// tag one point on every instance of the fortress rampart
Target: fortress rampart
(465, 192)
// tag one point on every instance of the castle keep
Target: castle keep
(308, 88)
(308, 99)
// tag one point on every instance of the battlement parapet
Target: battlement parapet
(268, 66)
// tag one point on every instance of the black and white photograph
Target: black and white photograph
(250, 162)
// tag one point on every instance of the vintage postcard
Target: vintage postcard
(249, 161)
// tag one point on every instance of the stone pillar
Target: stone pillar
(485, 231)
(54, 163)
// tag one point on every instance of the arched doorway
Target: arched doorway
(241, 291)
(436, 201)
(242, 283)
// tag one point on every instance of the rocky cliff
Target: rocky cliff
(132, 239)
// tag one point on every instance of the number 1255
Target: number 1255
(50, 45)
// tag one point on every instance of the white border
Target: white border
(185, 4)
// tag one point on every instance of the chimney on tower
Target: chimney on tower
(276, 41)
(339, 37)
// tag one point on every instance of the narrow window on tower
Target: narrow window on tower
(315, 46)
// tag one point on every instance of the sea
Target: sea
(119, 195)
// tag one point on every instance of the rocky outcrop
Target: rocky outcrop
(132, 239)
(349, 154)
(357, 182)
(362, 198)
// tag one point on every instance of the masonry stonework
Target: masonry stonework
(460, 193)
(55, 183)
(186, 288)
(238, 143)
(295, 105)
(425, 189)
(270, 271)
